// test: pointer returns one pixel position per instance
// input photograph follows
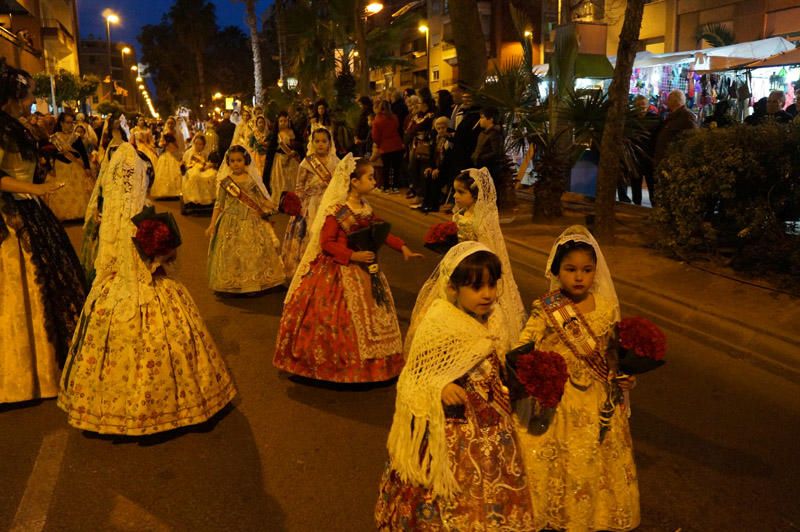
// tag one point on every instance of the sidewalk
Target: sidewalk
(750, 322)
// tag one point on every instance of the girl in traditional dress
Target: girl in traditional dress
(244, 253)
(171, 128)
(478, 220)
(143, 140)
(339, 322)
(454, 459)
(71, 168)
(320, 119)
(142, 360)
(313, 176)
(258, 143)
(199, 188)
(167, 183)
(42, 287)
(286, 161)
(582, 477)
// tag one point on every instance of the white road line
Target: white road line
(129, 516)
(32, 511)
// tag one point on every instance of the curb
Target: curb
(770, 351)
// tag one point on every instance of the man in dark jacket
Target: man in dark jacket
(467, 130)
(489, 150)
(680, 119)
(225, 133)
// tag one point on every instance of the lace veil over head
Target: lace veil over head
(335, 194)
(250, 170)
(603, 284)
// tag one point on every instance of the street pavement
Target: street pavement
(716, 437)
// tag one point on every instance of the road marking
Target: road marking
(129, 516)
(32, 511)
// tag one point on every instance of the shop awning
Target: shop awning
(593, 66)
(704, 63)
(790, 57)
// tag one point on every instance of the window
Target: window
(435, 75)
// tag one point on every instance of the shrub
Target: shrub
(734, 193)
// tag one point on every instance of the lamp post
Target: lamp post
(111, 18)
(423, 28)
(528, 34)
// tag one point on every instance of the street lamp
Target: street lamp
(374, 8)
(423, 28)
(217, 96)
(111, 18)
(139, 79)
(529, 41)
(134, 68)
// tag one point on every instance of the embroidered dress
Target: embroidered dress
(199, 182)
(70, 167)
(313, 177)
(332, 328)
(167, 182)
(577, 481)
(142, 360)
(42, 288)
(244, 254)
(284, 168)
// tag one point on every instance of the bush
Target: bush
(734, 193)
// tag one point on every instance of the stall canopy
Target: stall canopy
(788, 58)
(591, 66)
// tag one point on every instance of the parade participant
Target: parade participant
(477, 219)
(72, 168)
(313, 176)
(243, 254)
(320, 119)
(143, 140)
(454, 459)
(198, 190)
(579, 479)
(339, 321)
(167, 182)
(285, 162)
(258, 143)
(43, 287)
(142, 360)
(171, 128)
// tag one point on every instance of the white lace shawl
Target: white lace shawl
(250, 170)
(448, 344)
(486, 222)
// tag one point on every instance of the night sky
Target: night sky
(136, 14)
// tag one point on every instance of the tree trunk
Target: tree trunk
(470, 42)
(361, 45)
(201, 75)
(610, 169)
(252, 23)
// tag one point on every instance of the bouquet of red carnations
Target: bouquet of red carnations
(157, 234)
(641, 345)
(290, 204)
(441, 237)
(538, 374)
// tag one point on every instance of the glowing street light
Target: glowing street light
(374, 8)
(217, 96)
(111, 18)
(528, 34)
(139, 79)
(134, 68)
(141, 87)
(423, 28)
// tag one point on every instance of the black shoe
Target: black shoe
(625, 199)
(410, 194)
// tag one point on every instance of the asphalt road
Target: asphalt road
(716, 438)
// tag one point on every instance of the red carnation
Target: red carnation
(290, 204)
(642, 337)
(154, 238)
(543, 374)
(441, 237)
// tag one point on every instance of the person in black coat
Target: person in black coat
(439, 174)
(465, 139)
(362, 128)
(225, 134)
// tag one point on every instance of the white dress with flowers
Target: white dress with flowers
(578, 483)
(142, 360)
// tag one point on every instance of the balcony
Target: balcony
(19, 53)
(58, 40)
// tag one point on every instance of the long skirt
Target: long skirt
(70, 201)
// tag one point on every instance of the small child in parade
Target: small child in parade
(579, 462)
(455, 462)
(199, 187)
(167, 183)
(339, 321)
(313, 176)
(243, 253)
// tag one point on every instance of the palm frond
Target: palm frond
(715, 34)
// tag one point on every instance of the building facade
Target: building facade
(117, 69)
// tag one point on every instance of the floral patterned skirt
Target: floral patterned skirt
(486, 459)
(318, 332)
(294, 244)
(154, 371)
(70, 201)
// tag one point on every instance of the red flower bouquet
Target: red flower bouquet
(290, 204)
(441, 237)
(157, 234)
(539, 374)
(641, 345)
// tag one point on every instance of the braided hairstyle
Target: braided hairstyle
(15, 84)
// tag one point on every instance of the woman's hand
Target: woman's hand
(210, 231)
(367, 257)
(408, 254)
(46, 188)
(625, 382)
(453, 394)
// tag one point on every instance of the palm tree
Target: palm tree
(715, 34)
(252, 24)
(469, 41)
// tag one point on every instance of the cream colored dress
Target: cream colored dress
(167, 182)
(142, 360)
(284, 168)
(70, 201)
(578, 483)
(244, 253)
(199, 183)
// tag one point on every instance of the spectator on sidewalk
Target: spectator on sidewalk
(490, 149)
(465, 122)
(399, 109)
(419, 155)
(362, 128)
(387, 145)
(648, 122)
(680, 119)
(773, 111)
(444, 104)
(439, 174)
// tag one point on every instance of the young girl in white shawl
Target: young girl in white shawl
(454, 459)
(243, 254)
(167, 183)
(199, 188)
(477, 219)
(580, 463)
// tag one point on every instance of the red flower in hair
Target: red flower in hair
(543, 374)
